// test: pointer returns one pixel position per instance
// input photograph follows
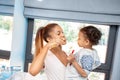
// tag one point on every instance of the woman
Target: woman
(50, 55)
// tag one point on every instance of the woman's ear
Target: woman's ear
(48, 39)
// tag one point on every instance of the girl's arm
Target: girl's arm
(79, 69)
(72, 60)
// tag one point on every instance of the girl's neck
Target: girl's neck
(89, 47)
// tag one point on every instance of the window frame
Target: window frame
(28, 55)
(4, 54)
(104, 68)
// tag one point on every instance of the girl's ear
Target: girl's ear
(87, 42)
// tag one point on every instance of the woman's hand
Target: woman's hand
(54, 43)
(51, 44)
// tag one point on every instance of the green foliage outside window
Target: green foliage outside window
(5, 23)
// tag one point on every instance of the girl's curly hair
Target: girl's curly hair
(92, 34)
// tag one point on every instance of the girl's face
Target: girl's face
(82, 41)
(57, 33)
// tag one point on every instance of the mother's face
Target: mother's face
(57, 33)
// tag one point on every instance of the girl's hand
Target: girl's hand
(71, 58)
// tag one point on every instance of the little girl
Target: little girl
(86, 59)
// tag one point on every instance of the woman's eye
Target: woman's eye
(58, 33)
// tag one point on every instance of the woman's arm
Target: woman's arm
(38, 61)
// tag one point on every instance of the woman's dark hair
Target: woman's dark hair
(43, 34)
(92, 34)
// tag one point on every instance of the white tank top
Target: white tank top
(54, 68)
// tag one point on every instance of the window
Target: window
(96, 76)
(6, 23)
(105, 47)
(71, 31)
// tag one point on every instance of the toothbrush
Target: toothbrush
(73, 51)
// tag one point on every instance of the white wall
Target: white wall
(17, 57)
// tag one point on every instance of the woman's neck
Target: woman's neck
(61, 55)
(56, 49)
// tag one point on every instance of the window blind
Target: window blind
(6, 7)
(102, 11)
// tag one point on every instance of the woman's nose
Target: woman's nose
(62, 34)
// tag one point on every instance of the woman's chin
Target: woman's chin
(63, 43)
